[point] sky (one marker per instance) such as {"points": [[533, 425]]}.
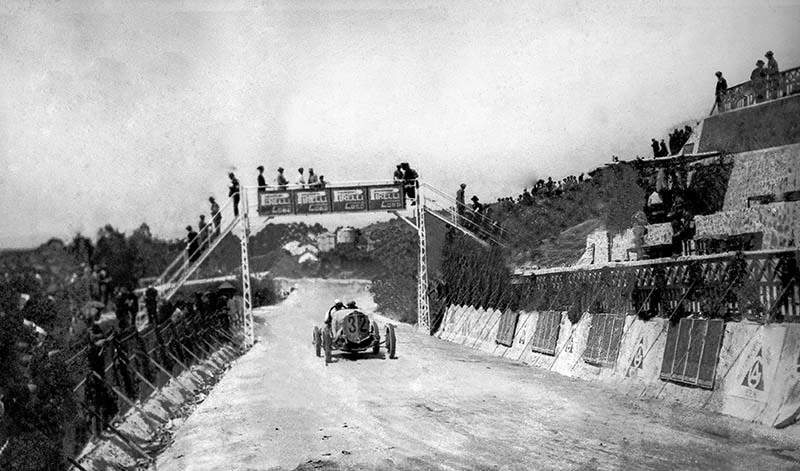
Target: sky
{"points": [[125, 112]]}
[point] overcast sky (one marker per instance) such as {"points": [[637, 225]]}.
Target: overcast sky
{"points": [[122, 111]]}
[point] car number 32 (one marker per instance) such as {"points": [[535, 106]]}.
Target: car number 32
{"points": [[357, 324]]}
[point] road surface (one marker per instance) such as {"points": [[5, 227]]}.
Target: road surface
{"points": [[438, 406]]}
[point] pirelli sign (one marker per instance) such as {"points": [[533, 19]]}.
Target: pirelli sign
{"points": [[344, 199]]}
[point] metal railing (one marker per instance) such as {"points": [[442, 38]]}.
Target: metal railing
{"points": [[744, 95], [205, 241]]}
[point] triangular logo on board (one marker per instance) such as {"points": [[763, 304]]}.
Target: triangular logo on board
{"points": [[754, 379]]}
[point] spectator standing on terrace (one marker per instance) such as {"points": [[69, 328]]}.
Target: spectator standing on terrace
{"points": [[191, 244], [281, 180], [301, 179], [773, 75], [312, 178], [654, 145], [216, 217], [720, 90], [758, 80], [262, 182], [322, 183], [233, 190], [460, 204]]}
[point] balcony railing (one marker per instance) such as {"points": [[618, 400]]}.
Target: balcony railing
{"points": [[743, 95]]}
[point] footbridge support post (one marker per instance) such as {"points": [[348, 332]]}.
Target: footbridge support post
{"points": [[423, 308], [247, 308]]}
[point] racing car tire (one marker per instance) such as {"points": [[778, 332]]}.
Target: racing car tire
{"points": [[327, 344], [317, 341], [391, 341], [376, 333]]}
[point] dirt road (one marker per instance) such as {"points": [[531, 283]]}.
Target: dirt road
{"points": [[437, 406]]}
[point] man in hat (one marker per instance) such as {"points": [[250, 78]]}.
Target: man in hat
{"points": [[654, 145], [758, 80], [191, 244], [460, 204], [338, 305], [233, 190], [262, 182], [773, 76], [410, 177], [720, 90], [313, 180], [216, 216], [301, 178], [477, 209], [398, 174], [281, 180]]}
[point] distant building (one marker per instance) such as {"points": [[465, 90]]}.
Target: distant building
{"points": [[326, 241], [346, 235]]}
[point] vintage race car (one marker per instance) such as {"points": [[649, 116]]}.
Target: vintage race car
{"points": [[350, 330]]}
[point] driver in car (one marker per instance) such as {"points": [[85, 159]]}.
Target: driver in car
{"points": [[337, 306]]}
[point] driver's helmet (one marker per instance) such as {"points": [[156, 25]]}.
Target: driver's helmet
{"points": [[352, 305], [338, 304]]}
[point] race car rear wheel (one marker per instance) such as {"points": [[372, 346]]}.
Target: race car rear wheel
{"points": [[391, 341], [317, 341], [376, 334], [327, 344]]}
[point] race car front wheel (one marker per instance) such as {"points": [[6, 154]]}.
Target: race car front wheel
{"points": [[327, 344]]}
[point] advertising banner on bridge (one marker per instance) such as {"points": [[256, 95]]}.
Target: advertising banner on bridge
{"points": [[274, 203], [349, 199], [312, 201], [385, 197]]}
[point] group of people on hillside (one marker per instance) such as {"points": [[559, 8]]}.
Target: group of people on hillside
{"points": [[543, 188], [677, 139], [765, 82]]}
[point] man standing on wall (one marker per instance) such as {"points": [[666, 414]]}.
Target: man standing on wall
{"points": [[720, 90], [758, 80], [773, 76], [216, 217]]}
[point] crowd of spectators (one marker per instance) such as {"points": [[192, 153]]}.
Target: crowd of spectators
{"points": [[765, 82], [677, 139]]}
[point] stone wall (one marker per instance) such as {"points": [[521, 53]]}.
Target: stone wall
{"points": [[769, 124], [779, 222], [757, 377], [598, 247], [768, 171]]}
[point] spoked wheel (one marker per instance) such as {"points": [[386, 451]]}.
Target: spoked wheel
{"points": [[327, 344], [376, 333], [391, 341], [317, 341]]}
